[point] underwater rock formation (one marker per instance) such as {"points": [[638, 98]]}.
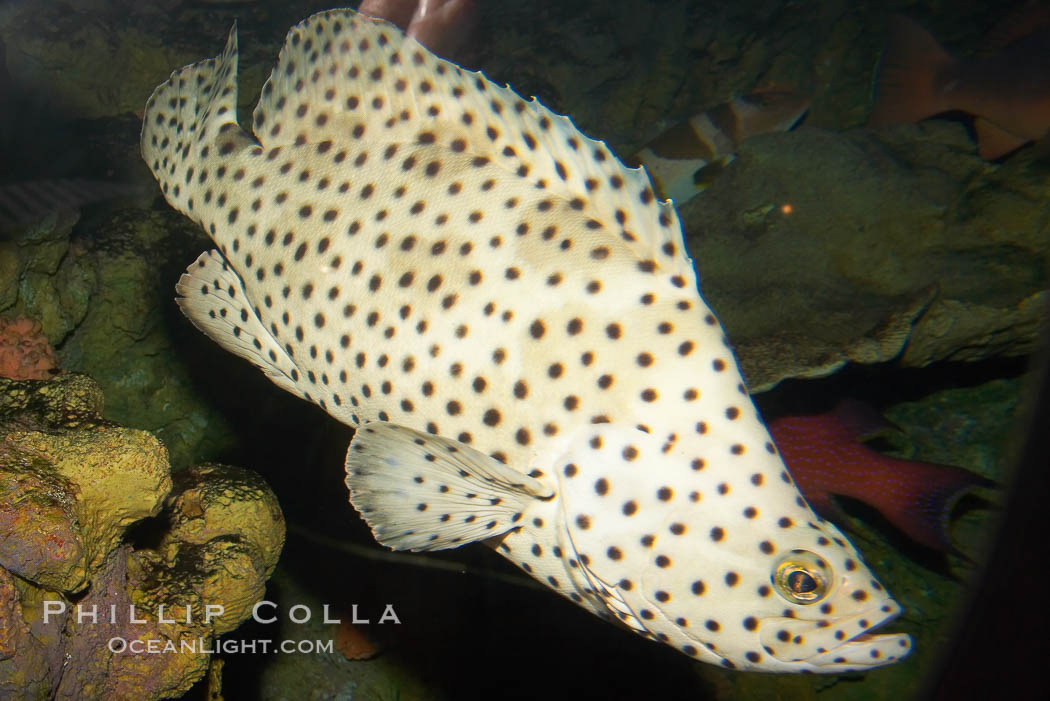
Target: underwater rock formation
{"points": [[77, 595], [101, 302], [224, 538], [819, 248]]}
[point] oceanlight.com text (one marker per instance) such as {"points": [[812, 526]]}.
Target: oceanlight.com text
{"points": [[263, 646]]}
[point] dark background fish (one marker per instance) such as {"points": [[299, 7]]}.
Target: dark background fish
{"points": [[1008, 91]]}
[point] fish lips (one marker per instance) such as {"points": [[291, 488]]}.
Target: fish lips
{"points": [[836, 645]]}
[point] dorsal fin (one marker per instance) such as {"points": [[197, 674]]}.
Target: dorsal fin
{"points": [[343, 76]]}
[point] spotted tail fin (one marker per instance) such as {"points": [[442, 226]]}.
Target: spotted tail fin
{"points": [[182, 118]]}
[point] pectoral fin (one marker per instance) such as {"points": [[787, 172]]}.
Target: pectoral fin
{"points": [[418, 491]]}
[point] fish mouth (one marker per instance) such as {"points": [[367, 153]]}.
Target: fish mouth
{"points": [[833, 646], [863, 651]]}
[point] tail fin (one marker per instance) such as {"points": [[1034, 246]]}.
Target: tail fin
{"points": [[195, 103], [920, 499], [905, 89], [994, 142], [916, 497]]}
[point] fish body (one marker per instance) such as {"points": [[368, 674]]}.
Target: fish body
{"points": [[508, 316], [826, 456], [683, 159], [1008, 91]]}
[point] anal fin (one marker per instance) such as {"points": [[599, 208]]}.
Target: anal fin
{"points": [[418, 491], [212, 296]]}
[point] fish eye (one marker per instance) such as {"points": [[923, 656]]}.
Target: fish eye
{"points": [[802, 577]]}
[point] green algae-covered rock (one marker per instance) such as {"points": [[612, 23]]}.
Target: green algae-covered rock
{"points": [[71, 486], [818, 248], [104, 305]]}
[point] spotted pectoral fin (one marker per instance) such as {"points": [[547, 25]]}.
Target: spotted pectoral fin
{"points": [[212, 296], [418, 491]]}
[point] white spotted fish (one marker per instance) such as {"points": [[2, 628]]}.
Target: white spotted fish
{"points": [[509, 316]]}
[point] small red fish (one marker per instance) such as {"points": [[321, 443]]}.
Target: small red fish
{"points": [[1008, 92], [825, 457]]}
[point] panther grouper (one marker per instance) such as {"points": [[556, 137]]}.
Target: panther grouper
{"points": [[508, 316]]}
